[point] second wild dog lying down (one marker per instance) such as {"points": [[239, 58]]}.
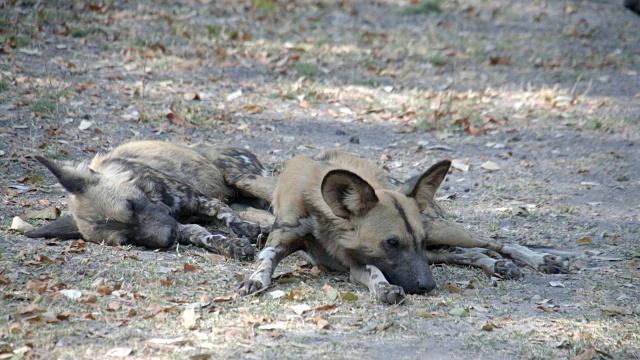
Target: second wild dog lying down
{"points": [[142, 192], [345, 214]]}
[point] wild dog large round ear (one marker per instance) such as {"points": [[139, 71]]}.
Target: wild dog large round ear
{"points": [[423, 187], [347, 194], [74, 180]]}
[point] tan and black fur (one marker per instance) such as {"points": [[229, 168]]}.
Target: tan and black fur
{"points": [[346, 214], [142, 192]]}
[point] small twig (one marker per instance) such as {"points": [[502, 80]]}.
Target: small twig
{"points": [[46, 70], [144, 81], [584, 94], [573, 89]]}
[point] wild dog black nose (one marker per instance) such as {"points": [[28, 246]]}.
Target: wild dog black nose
{"points": [[426, 285], [175, 233]]}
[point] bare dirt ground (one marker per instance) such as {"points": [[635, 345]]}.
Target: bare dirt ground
{"points": [[548, 92]]}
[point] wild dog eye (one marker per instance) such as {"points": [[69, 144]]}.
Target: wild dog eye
{"points": [[393, 242], [131, 205]]}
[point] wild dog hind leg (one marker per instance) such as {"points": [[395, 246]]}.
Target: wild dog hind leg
{"points": [[503, 267], [219, 210], [442, 232], [235, 248], [372, 277]]}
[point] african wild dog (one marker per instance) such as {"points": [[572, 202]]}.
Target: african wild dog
{"points": [[345, 214], [141, 192]]}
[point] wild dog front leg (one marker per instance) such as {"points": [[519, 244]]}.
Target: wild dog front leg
{"points": [[503, 267], [221, 211], [372, 277], [283, 241], [235, 248]]}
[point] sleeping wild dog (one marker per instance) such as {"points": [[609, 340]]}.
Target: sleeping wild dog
{"points": [[345, 214], [143, 193]]}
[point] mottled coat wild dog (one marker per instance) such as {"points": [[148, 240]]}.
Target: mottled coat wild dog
{"points": [[346, 214], [142, 192]]}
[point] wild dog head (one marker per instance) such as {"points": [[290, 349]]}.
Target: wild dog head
{"points": [[111, 208], [388, 228]]}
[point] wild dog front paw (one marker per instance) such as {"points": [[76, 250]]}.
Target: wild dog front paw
{"points": [[250, 287], [390, 294], [507, 269], [554, 265], [240, 249]]}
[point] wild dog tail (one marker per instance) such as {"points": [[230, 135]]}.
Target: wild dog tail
{"points": [[63, 228]]}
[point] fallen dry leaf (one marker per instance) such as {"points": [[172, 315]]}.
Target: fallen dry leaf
{"points": [[556, 284], [249, 319], [71, 294], [253, 109], [320, 322], [50, 213], [300, 309], [189, 318], [462, 312], [487, 327], [332, 294], [614, 310], [460, 165], [9, 191], [191, 96], [119, 352], [588, 354], [490, 165], [179, 341], [304, 104], [452, 288], [114, 305], [190, 268], [584, 240], [424, 313], [500, 60], [348, 296], [20, 225]]}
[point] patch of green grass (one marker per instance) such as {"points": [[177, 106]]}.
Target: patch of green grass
{"points": [[50, 16], [3, 85], [289, 95], [306, 69], [42, 106], [266, 6], [370, 82], [80, 32], [19, 41], [425, 7]]}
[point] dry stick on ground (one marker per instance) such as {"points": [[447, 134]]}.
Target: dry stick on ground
{"points": [[57, 103], [144, 80]]}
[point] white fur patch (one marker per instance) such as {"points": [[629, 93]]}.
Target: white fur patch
{"points": [[267, 253], [246, 159]]}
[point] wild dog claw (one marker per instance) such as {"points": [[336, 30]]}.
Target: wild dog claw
{"points": [[250, 287], [507, 269], [555, 265], [390, 294], [240, 249]]}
